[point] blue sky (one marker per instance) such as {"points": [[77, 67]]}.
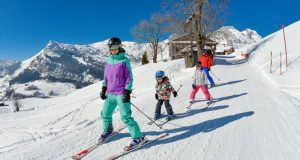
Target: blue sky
{"points": [[27, 25]]}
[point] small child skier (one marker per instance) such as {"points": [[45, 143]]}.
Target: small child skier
{"points": [[199, 82], [163, 89]]}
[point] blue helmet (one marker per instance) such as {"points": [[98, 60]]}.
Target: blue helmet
{"points": [[160, 74]]}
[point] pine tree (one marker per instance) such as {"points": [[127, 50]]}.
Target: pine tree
{"points": [[145, 58]]}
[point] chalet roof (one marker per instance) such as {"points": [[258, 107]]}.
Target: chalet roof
{"points": [[186, 38], [188, 49]]}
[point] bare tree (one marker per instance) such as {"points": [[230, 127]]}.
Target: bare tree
{"points": [[196, 17], [152, 31], [17, 105]]}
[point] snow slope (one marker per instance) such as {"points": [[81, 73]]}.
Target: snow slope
{"points": [[260, 58], [251, 119]]}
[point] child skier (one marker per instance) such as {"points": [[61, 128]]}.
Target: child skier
{"points": [[199, 82], [163, 89], [116, 90]]}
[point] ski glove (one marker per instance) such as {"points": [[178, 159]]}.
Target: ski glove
{"points": [[156, 96], [193, 86], [126, 96], [175, 94], [103, 93]]}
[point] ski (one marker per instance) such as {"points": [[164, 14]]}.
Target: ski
{"points": [[146, 142], [193, 102], [166, 121], [189, 106], [151, 122], [86, 151], [208, 104]]}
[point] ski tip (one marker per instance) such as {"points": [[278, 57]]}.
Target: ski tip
{"points": [[80, 155]]}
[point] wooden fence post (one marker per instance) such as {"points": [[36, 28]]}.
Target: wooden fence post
{"points": [[280, 71], [271, 64]]}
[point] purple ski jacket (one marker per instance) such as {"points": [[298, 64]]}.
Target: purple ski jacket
{"points": [[118, 74]]}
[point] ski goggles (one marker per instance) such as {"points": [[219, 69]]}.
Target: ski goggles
{"points": [[159, 79], [114, 47]]}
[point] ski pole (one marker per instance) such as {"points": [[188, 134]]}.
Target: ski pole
{"points": [[146, 115], [215, 76], [179, 88]]}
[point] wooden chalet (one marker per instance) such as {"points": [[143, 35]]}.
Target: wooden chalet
{"points": [[183, 47]]}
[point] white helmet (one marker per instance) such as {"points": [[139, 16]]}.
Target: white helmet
{"points": [[206, 48]]}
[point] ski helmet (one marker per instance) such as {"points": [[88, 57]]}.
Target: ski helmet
{"points": [[160, 74], [114, 43], [207, 48]]}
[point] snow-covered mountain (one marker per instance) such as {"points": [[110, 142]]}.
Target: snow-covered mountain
{"points": [[229, 36], [77, 64], [8, 67], [62, 63], [73, 65]]}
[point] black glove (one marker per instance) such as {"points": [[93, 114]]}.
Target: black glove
{"points": [[193, 86], [156, 96], [103, 93], [126, 96], [208, 69], [175, 94]]}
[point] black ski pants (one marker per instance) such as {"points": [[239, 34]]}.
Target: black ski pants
{"points": [[167, 105]]}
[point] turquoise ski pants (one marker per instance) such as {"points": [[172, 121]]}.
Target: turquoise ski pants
{"points": [[110, 104]]}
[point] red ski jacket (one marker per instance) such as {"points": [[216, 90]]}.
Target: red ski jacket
{"points": [[206, 60]]}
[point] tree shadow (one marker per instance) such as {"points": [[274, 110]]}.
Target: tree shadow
{"points": [[186, 114], [192, 112], [204, 127], [189, 113], [192, 130], [293, 61], [229, 97], [31, 109], [219, 61], [231, 82]]}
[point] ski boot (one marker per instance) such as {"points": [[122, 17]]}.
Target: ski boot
{"points": [[156, 116], [106, 133], [135, 143], [170, 117], [191, 101]]}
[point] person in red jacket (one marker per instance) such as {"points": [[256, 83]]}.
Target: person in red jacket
{"points": [[206, 60]]}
